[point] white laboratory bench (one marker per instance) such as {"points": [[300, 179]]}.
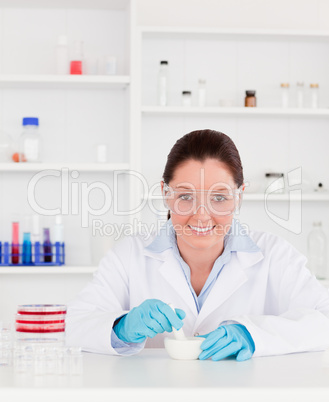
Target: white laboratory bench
{"points": [[153, 376]]}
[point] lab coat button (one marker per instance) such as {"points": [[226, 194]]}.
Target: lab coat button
{"points": [[196, 334]]}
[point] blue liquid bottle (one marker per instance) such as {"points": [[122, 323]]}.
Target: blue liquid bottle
{"points": [[27, 249]]}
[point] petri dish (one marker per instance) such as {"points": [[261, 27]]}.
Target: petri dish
{"points": [[40, 319], [41, 309]]}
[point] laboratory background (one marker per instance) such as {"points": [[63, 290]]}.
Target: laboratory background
{"points": [[93, 95]]}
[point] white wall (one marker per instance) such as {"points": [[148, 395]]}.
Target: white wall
{"points": [[231, 65], [270, 14]]}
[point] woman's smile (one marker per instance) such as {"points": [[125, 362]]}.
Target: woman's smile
{"points": [[201, 231]]}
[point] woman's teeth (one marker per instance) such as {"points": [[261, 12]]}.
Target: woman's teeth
{"points": [[201, 230]]}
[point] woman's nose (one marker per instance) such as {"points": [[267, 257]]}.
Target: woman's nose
{"points": [[202, 210]]}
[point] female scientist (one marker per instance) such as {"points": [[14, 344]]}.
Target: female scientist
{"points": [[249, 294]]}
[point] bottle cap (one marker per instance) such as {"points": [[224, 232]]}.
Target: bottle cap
{"points": [[250, 93], [314, 85], [202, 81], [30, 121], [62, 40], [164, 62], [187, 93], [300, 84], [274, 175], [285, 85]]}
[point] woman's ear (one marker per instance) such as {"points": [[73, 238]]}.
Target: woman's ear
{"points": [[244, 185], [162, 184]]}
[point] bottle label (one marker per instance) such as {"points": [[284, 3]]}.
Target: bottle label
{"points": [[31, 149]]}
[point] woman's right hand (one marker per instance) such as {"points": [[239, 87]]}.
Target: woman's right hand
{"points": [[150, 318]]}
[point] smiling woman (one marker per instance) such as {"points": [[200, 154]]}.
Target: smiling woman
{"points": [[248, 293], [202, 186]]}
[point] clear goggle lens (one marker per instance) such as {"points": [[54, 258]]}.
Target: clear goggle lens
{"points": [[187, 202]]}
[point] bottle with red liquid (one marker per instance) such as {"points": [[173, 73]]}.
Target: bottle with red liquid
{"points": [[15, 243], [76, 62], [47, 245]]}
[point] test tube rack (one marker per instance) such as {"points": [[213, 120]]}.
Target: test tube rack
{"points": [[38, 257]]}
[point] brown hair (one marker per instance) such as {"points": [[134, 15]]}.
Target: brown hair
{"points": [[200, 145]]}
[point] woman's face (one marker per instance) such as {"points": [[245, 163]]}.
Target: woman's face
{"points": [[208, 175]]}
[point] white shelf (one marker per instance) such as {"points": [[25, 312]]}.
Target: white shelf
{"points": [[233, 111], [167, 31], [100, 4], [285, 197], [271, 197], [80, 167], [58, 270], [64, 81]]}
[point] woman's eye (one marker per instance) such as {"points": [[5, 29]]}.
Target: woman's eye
{"points": [[218, 197], [186, 197]]}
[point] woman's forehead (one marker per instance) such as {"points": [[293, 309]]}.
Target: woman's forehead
{"points": [[202, 174]]}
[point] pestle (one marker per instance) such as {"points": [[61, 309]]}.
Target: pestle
{"points": [[179, 334]]}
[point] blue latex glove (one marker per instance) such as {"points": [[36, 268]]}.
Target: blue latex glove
{"points": [[147, 320], [228, 340]]}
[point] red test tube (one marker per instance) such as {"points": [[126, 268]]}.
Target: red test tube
{"points": [[15, 244]]}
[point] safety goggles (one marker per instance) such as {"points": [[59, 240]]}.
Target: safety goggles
{"points": [[222, 202]]}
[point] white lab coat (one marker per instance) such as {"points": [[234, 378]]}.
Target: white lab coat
{"points": [[271, 292]]}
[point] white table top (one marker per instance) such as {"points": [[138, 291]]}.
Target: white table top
{"points": [[153, 376]]}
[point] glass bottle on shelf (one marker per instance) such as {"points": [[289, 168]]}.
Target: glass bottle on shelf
{"points": [[300, 94], [76, 67], [202, 93], [250, 99], [62, 57], [30, 140], [314, 96], [317, 251], [163, 83], [285, 94], [276, 181], [187, 98]]}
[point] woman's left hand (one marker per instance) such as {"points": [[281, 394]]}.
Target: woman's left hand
{"points": [[228, 340]]}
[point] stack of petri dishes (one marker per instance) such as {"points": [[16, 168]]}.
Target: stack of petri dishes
{"points": [[40, 322]]}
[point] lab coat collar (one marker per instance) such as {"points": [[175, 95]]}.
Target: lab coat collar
{"points": [[162, 241]]}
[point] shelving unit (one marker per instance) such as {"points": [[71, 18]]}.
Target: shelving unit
{"points": [[267, 57], [318, 197], [62, 270], [233, 111], [175, 31], [80, 167], [64, 81], [261, 197], [76, 113]]}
